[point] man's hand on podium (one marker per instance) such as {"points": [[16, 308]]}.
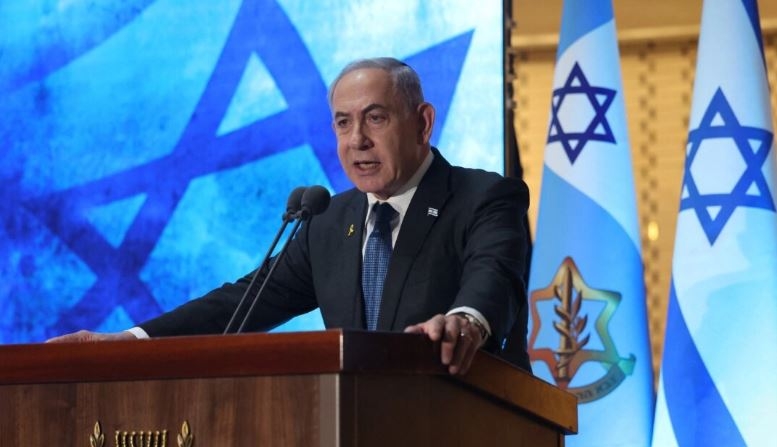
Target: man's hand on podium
{"points": [[460, 340], [87, 336]]}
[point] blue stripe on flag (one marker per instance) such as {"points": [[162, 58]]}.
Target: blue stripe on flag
{"points": [[698, 414], [751, 6], [587, 15], [579, 226]]}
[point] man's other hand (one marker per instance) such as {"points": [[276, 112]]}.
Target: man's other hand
{"points": [[88, 336], [460, 340]]}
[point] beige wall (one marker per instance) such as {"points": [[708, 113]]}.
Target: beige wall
{"points": [[658, 58]]}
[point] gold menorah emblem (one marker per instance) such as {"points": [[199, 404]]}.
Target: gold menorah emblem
{"points": [[141, 438]]}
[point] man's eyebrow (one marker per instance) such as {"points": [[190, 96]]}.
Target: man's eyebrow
{"points": [[372, 107], [367, 109]]}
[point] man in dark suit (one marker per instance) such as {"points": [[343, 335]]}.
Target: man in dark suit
{"points": [[453, 238]]}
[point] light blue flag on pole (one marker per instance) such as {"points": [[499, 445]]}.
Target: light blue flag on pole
{"points": [[587, 295], [717, 384]]}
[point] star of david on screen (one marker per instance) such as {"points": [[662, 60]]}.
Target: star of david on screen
{"points": [[148, 146]]}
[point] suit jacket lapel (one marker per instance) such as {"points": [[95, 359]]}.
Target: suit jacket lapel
{"points": [[354, 217], [428, 200]]}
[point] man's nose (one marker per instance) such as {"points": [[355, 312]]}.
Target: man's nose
{"points": [[358, 139]]}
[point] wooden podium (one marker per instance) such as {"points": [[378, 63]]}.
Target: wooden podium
{"points": [[329, 388]]}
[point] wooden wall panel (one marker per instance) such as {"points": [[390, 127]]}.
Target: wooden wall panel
{"points": [[532, 89], [657, 86]]}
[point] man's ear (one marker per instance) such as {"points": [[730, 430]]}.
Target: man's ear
{"points": [[426, 122]]}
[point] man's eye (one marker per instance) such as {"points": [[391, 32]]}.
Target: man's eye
{"points": [[376, 118], [341, 123]]}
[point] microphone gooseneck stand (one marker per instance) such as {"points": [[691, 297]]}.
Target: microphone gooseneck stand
{"points": [[314, 200], [293, 205]]}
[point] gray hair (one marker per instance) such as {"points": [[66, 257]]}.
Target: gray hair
{"points": [[404, 79]]}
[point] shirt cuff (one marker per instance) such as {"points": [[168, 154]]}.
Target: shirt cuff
{"points": [[474, 312], [139, 333]]}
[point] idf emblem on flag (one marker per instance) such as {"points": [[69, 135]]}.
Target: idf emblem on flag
{"points": [[588, 326], [717, 384], [567, 293]]}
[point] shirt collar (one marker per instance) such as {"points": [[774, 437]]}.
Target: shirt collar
{"points": [[401, 200]]}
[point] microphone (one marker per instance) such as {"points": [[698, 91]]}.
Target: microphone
{"points": [[314, 201], [293, 207], [294, 203]]}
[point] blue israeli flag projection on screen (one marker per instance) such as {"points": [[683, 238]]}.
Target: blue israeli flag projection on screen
{"points": [[148, 146]]}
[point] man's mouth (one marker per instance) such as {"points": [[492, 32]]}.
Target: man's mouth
{"points": [[366, 165]]}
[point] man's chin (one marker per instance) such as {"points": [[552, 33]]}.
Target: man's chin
{"points": [[370, 187]]}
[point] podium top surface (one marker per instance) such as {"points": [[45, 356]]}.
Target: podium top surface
{"points": [[322, 352]]}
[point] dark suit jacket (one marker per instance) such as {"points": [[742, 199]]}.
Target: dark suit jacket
{"points": [[462, 243]]}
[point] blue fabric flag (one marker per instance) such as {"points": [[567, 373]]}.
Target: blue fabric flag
{"points": [[587, 296], [717, 384]]}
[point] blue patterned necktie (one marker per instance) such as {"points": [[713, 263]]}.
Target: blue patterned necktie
{"points": [[376, 261]]}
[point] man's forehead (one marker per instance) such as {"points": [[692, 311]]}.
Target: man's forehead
{"points": [[363, 92], [363, 82]]}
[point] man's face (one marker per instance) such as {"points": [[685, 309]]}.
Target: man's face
{"points": [[380, 144]]}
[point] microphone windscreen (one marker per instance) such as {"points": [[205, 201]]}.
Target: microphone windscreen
{"points": [[294, 202], [315, 200]]}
